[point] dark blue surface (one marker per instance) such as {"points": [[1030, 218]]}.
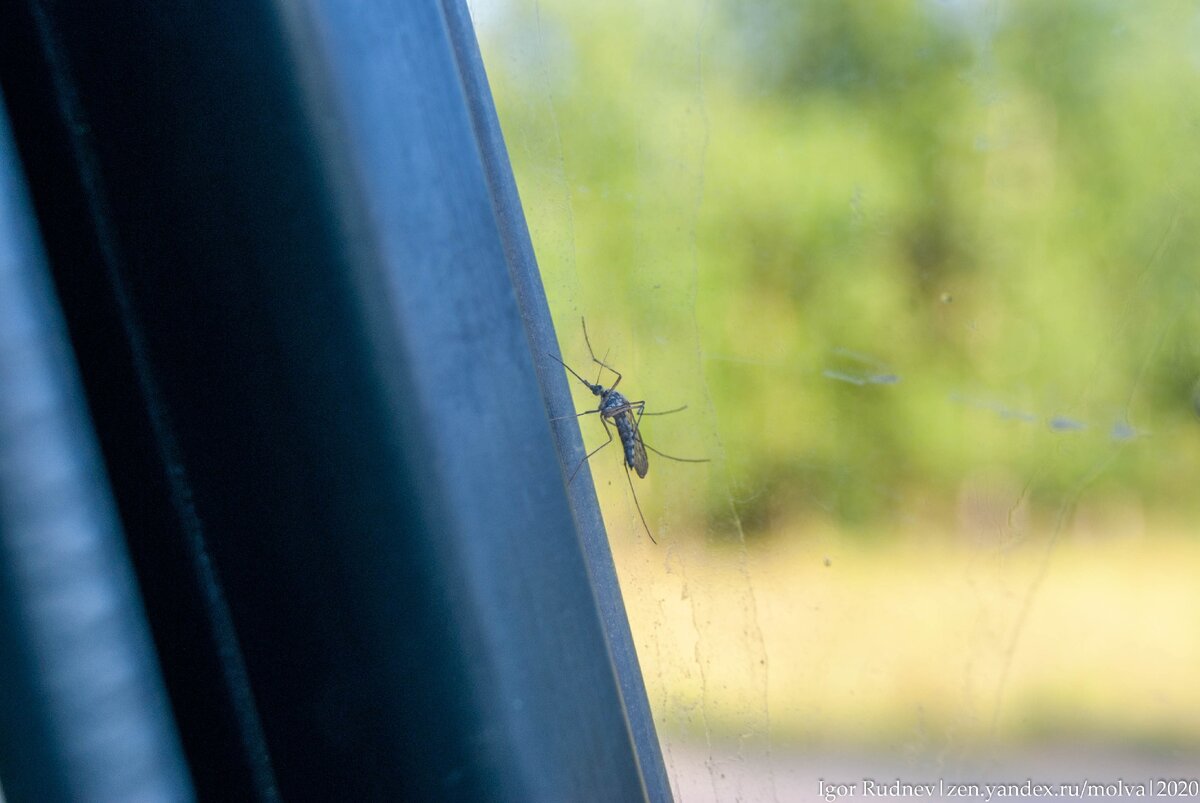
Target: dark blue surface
{"points": [[296, 272], [83, 714]]}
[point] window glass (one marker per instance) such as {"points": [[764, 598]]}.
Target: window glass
{"points": [[924, 274]]}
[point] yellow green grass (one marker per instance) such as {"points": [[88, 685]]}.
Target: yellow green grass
{"points": [[921, 641]]}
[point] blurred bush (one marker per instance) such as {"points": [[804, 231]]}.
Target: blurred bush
{"points": [[914, 238]]}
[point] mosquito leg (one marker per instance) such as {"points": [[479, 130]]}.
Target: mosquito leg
{"points": [[593, 353], [577, 415], [588, 456], [666, 412], [640, 406], [583, 321], [609, 367], [676, 459], [639, 507]]}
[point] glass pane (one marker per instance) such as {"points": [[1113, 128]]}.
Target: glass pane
{"points": [[924, 275]]}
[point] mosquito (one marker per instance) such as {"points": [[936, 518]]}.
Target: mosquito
{"points": [[617, 410]]}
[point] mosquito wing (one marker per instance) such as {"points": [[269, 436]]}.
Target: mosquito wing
{"points": [[631, 440]]}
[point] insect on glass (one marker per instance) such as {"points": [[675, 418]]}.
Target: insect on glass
{"points": [[617, 410]]}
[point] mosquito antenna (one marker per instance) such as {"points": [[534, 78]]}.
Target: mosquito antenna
{"points": [[569, 368], [602, 367], [639, 507], [676, 459]]}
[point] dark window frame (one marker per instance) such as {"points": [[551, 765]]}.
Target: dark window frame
{"points": [[296, 278]]}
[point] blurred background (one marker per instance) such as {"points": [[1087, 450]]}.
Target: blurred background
{"points": [[924, 274]]}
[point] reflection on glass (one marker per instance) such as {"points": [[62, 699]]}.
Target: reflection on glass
{"points": [[924, 273]]}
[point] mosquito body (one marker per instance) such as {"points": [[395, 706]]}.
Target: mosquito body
{"points": [[617, 410]]}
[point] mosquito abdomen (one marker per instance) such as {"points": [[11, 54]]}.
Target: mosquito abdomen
{"points": [[631, 441]]}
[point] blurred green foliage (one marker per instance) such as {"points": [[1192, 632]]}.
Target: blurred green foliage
{"points": [[911, 239]]}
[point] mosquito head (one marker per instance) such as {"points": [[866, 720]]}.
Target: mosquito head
{"points": [[599, 390]]}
